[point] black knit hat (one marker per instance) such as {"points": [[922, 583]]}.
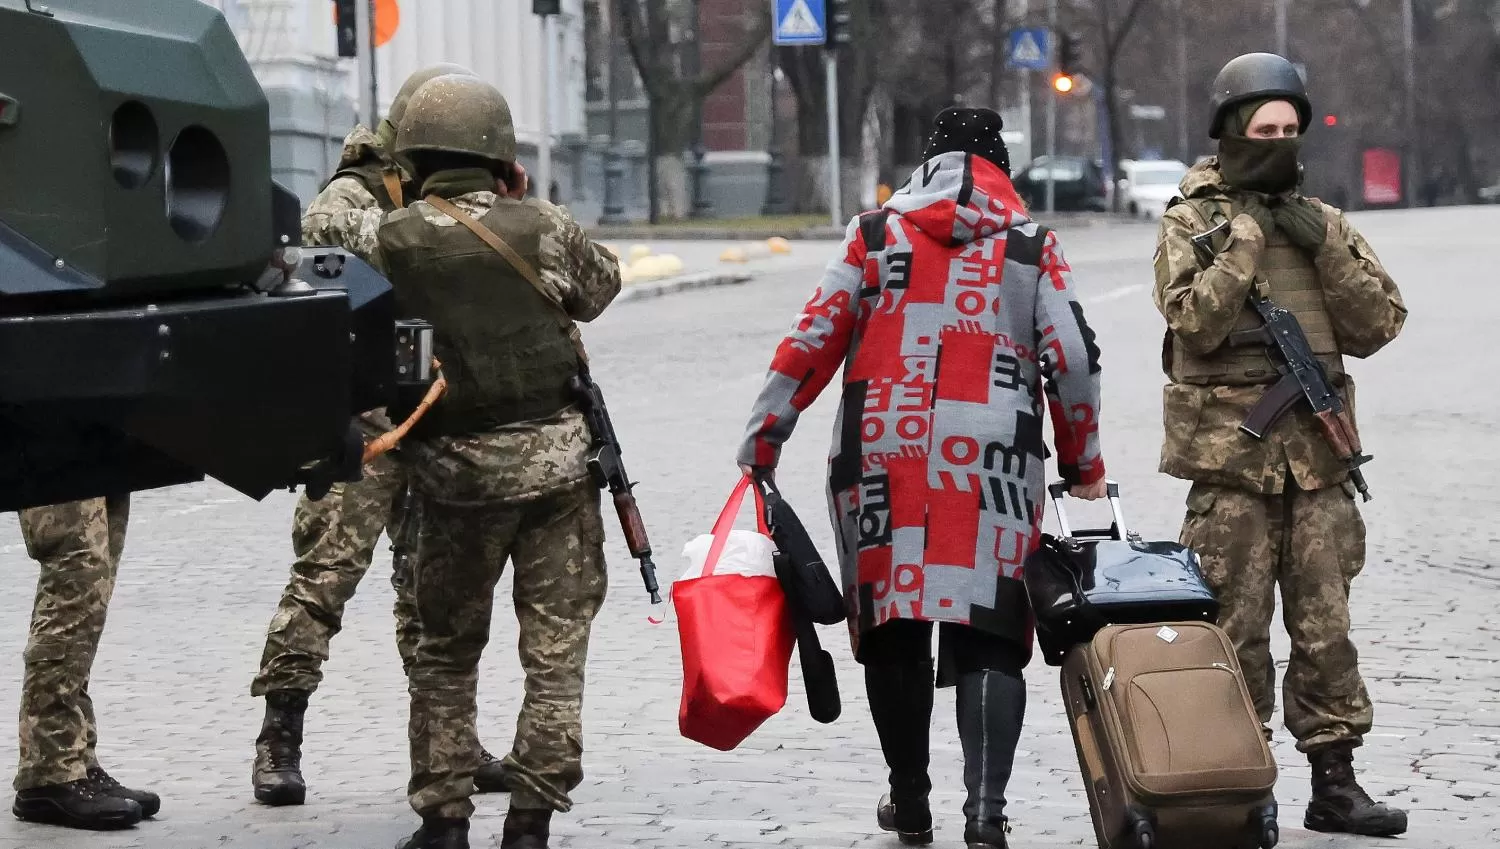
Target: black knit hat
{"points": [[975, 131]]}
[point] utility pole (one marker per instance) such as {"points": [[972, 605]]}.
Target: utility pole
{"points": [[835, 187], [1280, 28], [1052, 42], [364, 24], [1182, 85], [614, 170], [1408, 25], [1026, 86], [544, 169]]}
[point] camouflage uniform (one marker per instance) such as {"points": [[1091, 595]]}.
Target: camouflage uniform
{"points": [[78, 546], [334, 537], [521, 492], [1278, 510]]}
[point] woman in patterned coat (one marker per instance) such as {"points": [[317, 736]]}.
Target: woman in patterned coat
{"points": [[947, 310]]}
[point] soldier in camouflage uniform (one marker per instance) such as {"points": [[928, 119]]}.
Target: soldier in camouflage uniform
{"points": [[1277, 511], [59, 779], [498, 465], [334, 538]]}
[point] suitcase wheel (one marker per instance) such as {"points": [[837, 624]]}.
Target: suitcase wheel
{"points": [[1265, 827], [1143, 832]]}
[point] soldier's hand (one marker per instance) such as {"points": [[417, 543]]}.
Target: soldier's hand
{"points": [[1252, 222], [1090, 491], [1303, 223], [519, 183]]}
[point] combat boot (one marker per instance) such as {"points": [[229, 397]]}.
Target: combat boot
{"points": [[103, 783], [439, 833], [490, 777], [526, 829], [278, 750], [1339, 804], [75, 804]]}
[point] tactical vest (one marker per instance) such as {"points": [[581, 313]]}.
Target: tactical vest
{"points": [[372, 175], [504, 347], [1287, 276]]}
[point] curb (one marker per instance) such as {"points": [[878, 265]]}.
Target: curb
{"points": [[824, 233], [709, 234], [658, 288]]}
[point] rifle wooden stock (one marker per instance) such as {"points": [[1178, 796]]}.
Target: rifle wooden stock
{"points": [[1339, 430]]}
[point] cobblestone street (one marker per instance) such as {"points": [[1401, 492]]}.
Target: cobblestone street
{"points": [[203, 568]]}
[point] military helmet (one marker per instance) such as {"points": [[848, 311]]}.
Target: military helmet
{"points": [[458, 114], [416, 81], [1257, 76]]}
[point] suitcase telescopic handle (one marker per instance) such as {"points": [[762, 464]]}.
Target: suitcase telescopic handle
{"points": [[1111, 489]]}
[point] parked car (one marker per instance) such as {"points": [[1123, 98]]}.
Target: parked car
{"points": [[1146, 186], [1078, 182]]}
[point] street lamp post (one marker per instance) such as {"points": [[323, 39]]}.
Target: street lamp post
{"points": [[614, 169], [774, 204], [1408, 25], [701, 206]]}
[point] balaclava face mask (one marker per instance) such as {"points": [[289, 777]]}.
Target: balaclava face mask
{"points": [[1257, 165]]}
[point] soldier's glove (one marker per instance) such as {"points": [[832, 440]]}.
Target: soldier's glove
{"points": [[1265, 222], [1303, 223]]}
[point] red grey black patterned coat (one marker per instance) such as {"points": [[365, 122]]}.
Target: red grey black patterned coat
{"points": [[945, 335]]}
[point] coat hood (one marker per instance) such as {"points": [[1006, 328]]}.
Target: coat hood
{"points": [[958, 198]]}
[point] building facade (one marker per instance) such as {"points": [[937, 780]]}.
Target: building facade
{"points": [[315, 95]]}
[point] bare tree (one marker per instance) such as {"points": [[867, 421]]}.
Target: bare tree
{"points": [[676, 92], [1114, 30]]}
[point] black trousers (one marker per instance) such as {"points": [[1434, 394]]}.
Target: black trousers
{"points": [[961, 649]]}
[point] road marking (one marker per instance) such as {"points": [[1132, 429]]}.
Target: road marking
{"points": [[1116, 294]]}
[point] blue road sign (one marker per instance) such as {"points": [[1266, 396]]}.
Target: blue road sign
{"points": [[1030, 48], [796, 22]]}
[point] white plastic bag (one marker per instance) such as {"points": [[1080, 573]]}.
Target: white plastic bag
{"points": [[747, 553]]}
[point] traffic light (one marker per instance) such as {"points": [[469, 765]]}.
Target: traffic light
{"points": [[344, 21], [1330, 120], [838, 24], [1062, 83], [1068, 60], [546, 7]]}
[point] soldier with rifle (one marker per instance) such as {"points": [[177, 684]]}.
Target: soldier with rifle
{"points": [[507, 465], [1264, 292], [334, 537]]}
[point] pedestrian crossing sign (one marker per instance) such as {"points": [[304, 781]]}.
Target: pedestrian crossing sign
{"points": [[797, 22], [1029, 48]]}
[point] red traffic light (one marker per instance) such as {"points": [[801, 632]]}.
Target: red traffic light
{"points": [[1330, 120], [1063, 83]]}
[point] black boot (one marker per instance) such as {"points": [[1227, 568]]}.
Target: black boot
{"points": [[102, 782], [526, 829], [278, 750], [439, 833], [1339, 804], [991, 707], [75, 804], [901, 705], [490, 777]]}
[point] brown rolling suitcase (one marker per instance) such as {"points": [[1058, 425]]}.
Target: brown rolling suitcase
{"points": [[1168, 740]]}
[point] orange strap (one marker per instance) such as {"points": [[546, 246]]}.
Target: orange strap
{"points": [[393, 188]]}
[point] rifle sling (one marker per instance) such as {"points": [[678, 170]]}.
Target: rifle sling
{"points": [[393, 188], [523, 267]]}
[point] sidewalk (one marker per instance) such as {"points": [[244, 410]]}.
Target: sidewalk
{"points": [[680, 265]]}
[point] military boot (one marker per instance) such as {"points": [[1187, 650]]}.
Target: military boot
{"points": [[278, 750], [490, 777], [75, 804], [1339, 804], [102, 782], [901, 705], [439, 833], [526, 829]]}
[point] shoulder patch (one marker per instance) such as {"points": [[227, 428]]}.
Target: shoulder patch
{"points": [[872, 227]]}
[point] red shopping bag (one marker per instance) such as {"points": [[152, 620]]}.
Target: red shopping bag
{"points": [[737, 641]]}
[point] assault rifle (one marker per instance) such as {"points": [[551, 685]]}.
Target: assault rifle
{"points": [[609, 471], [1302, 377]]}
